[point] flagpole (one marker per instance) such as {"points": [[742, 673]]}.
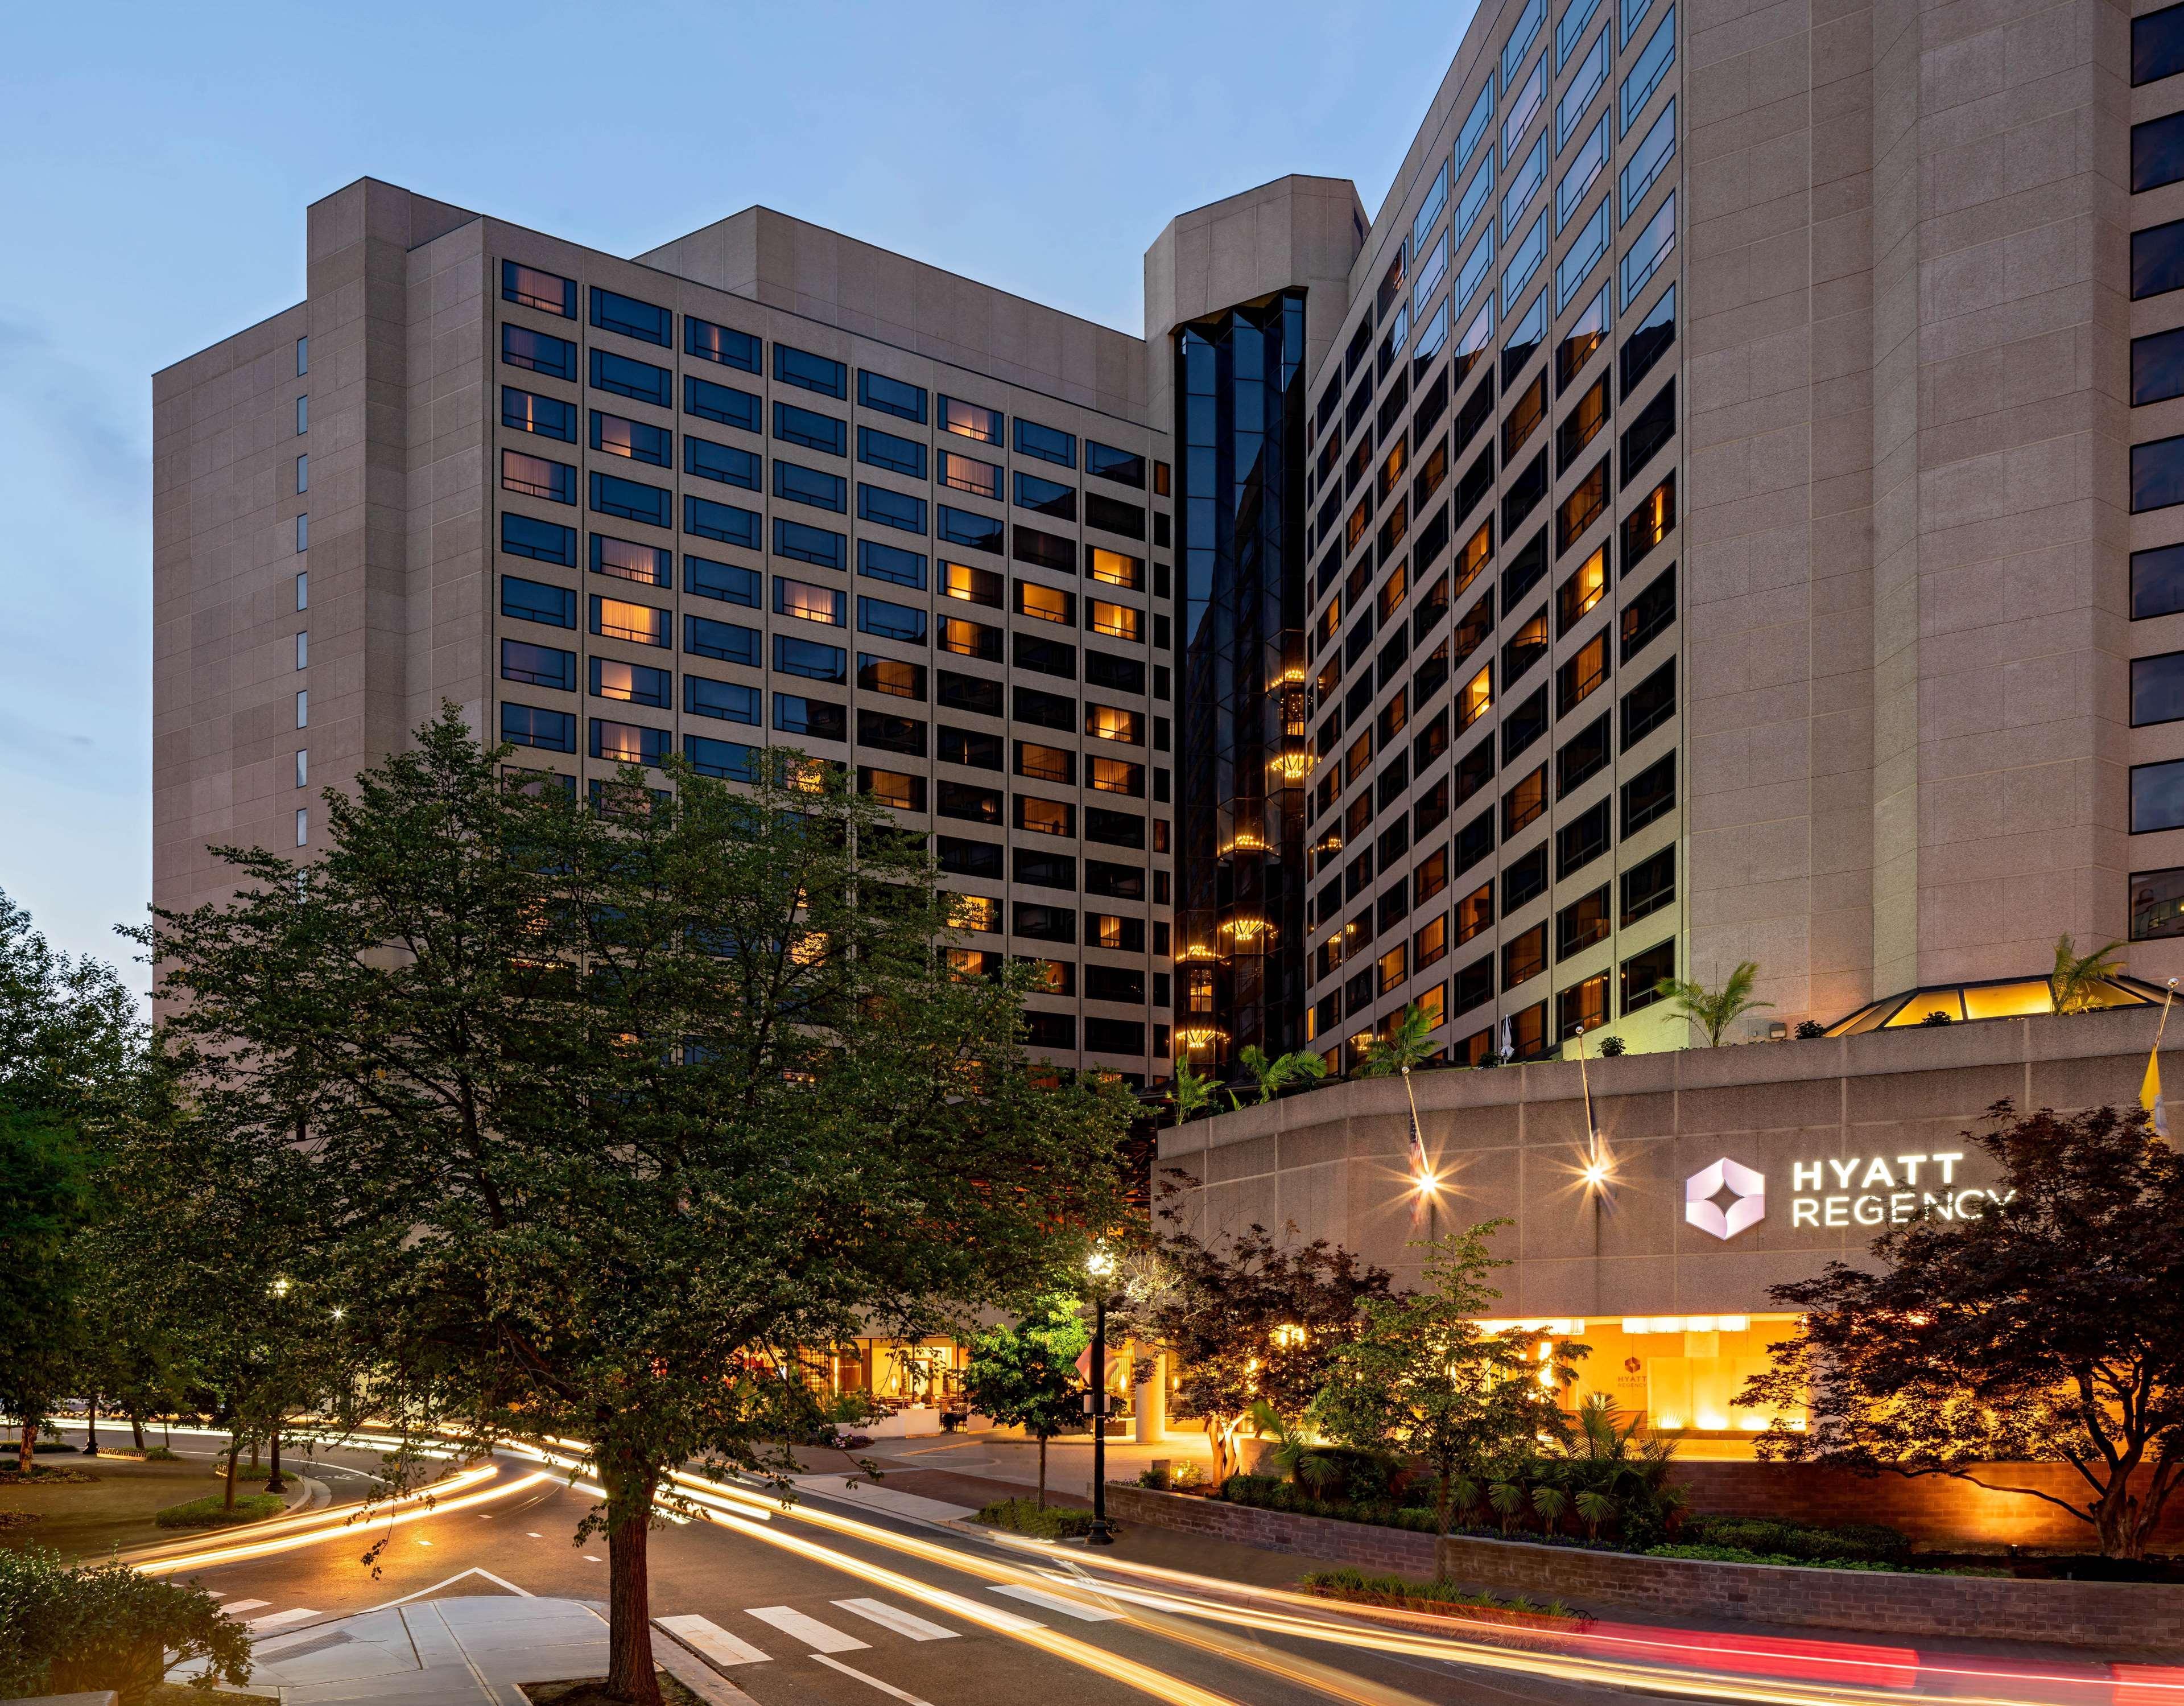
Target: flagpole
{"points": [[2149, 1091]]}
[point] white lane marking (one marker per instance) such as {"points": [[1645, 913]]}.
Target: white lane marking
{"points": [[244, 1605], [896, 1618], [986, 1616], [809, 1631], [704, 1635], [888, 1688], [1054, 1602], [590, 1558], [258, 1625]]}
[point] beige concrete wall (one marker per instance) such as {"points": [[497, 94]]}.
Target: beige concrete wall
{"points": [[1333, 1163]]}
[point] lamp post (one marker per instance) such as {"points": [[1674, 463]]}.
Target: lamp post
{"points": [[1100, 1265], [274, 1484]]}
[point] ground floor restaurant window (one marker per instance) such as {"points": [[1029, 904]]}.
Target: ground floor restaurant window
{"points": [[1679, 1373]]}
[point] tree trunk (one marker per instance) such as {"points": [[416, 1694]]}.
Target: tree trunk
{"points": [[91, 1440], [1042, 1471], [254, 1454], [234, 1450], [274, 1484], [1440, 1504], [23, 1464], [630, 1674], [136, 1428]]}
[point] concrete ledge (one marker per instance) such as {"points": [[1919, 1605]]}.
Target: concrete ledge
{"points": [[1401, 1551]]}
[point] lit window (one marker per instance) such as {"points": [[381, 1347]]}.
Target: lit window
{"points": [[619, 619], [1115, 776], [1475, 698], [812, 603], [1118, 570], [971, 421], [975, 585], [1046, 602], [530, 288], [968, 474], [1107, 722], [1119, 621], [535, 476], [974, 912]]}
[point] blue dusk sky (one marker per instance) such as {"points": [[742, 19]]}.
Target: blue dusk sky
{"points": [[158, 161]]}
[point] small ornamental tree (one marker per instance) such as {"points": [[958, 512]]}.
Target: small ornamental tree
{"points": [[2049, 1328], [600, 1113], [1424, 1380], [1025, 1376], [1253, 1318]]}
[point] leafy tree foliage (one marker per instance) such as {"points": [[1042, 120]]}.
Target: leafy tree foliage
{"points": [[1025, 1375], [1424, 1380], [45, 1196], [70, 1032], [2048, 1327], [65, 1630], [1249, 1318], [1272, 1074], [604, 1113]]}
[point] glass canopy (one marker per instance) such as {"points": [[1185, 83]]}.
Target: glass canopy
{"points": [[2007, 998]]}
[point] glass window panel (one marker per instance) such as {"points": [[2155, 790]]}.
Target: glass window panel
{"points": [[2157, 151], [2157, 688], [2157, 906], [2157, 260], [1524, 260], [1525, 31], [1474, 126], [2157, 582], [2156, 45], [1652, 64], [2156, 796], [1590, 78], [1583, 255], [2157, 366], [1429, 210], [1571, 29], [1524, 107], [2157, 473], [1585, 167], [1648, 158], [1648, 249]]}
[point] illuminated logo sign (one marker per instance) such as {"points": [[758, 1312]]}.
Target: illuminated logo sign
{"points": [[1747, 1190]]}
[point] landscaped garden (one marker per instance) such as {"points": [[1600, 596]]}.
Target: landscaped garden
{"points": [[85, 1507]]}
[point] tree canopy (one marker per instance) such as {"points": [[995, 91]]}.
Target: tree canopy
{"points": [[2048, 1327], [1025, 1375], [610, 1106]]}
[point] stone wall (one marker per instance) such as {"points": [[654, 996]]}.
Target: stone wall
{"points": [[1399, 1551]]}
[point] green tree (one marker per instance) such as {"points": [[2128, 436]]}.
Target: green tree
{"points": [[45, 1199], [2075, 982], [1193, 1090], [600, 1114], [2048, 1326], [1274, 1073], [71, 1032], [1025, 1375], [1252, 1318], [1424, 1380], [1714, 1011]]}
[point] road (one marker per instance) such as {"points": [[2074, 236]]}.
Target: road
{"points": [[834, 1602]]}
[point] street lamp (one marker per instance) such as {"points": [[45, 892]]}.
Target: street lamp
{"points": [[1100, 1264], [274, 1482]]}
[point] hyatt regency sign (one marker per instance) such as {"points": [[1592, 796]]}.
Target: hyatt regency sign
{"points": [[1727, 1197]]}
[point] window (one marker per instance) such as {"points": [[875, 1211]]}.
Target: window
{"points": [[525, 411], [534, 601], [633, 500], [2157, 688], [1114, 829], [538, 352], [1525, 956], [1522, 35], [1578, 261], [802, 485], [521, 535], [1590, 78], [634, 684], [1115, 776], [551, 731], [877, 504], [2157, 902], [1648, 249], [890, 396], [1649, 795], [969, 747], [302, 356], [813, 604], [1526, 410], [958, 857], [970, 421], [1039, 870], [891, 675], [967, 528], [805, 545], [1116, 935], [639, 380], [891, 733], [1525, 804], [1652, 64], [1581, 840], [810, 428], [628, 742], [1125, 467], [1045, 602], [891, 563], [303, 766], [721, 344], [1105, 721], [1524, 105], [1114, 569], [1045, 497], [891, 788], [619, 619], [887, 450], [2157, 582], [1649, 159], [969, 639], [1586, 503], [612, 311], [1045, 816], [2156, 366], [2156, 796], [302, 707], [2157, 47], [303, 474], [1585, 168], [614, 435], [730, 760], [1649, 705], [1045, 763], [1045, 442], [810, 660], [974, 585], [1648, 886], [1650, 522], [1650, 614], [889, 621], [1475, 124], [817, 719], [1113, 516], [1578, 595], [1525, 179], [2157, 260], [729, 642], [537, 666], [302, 649], [2157, 473], [303, 589], [535, 476], [1586, 334], [1585, 753], [1118, 622], [302, 415], [1584, 921], [721, 402], [725, 700], [1655, 426], [1473, 271], [1122, 674], [722, 521], [799, 367], [1643, 974], [1474, 913], [1648, 341]]}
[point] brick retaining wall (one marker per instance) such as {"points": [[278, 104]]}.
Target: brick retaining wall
{"points": [[2110, 1618]]}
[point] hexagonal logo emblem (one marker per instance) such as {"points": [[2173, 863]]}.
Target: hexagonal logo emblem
{"points": [[1746, 1189]]}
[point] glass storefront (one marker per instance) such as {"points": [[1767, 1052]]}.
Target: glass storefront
{"points": [[1680, 1373]]}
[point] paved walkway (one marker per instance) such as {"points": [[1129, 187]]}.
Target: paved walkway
{"points": [[470, 1648]]}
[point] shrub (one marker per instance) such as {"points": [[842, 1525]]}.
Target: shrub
{"points": [[1738, 1554], [65, 1630], [1440, 1594], [1809, 1029], [1864, 1543], [160, 1454], [1265, 1492], [1023, 1516], [1613, 1047], [210, 1512]]}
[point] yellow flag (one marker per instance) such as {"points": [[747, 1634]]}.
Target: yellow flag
{"points": [[2149, 1093]]}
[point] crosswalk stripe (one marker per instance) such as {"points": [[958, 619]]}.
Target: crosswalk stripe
{"points": [[809, 1631], [244, 1605], [896, 1618], [985, 1616], [704, 1635], [258, 1625], [1054, 1602], [888, 1688]]}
